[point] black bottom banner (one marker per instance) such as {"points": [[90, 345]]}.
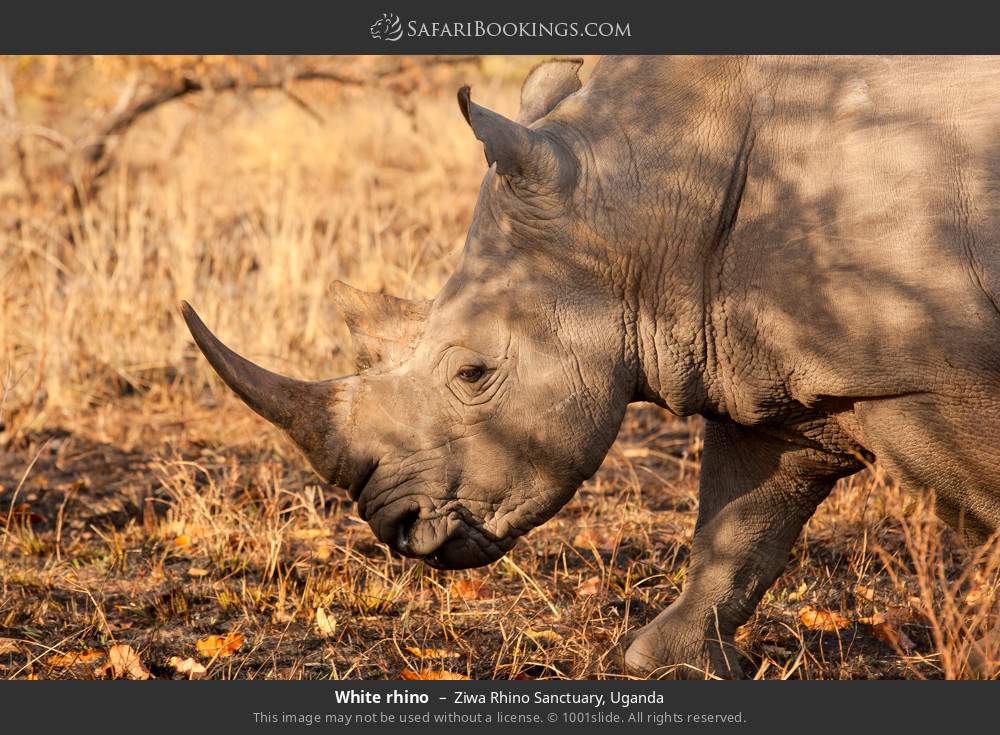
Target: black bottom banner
{"points": [[458, 706]]}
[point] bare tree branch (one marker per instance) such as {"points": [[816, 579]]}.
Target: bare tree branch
{"points": [[303, 105], [100, 159]]}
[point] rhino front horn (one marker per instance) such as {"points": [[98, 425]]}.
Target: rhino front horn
{"points": [[304, 409]]}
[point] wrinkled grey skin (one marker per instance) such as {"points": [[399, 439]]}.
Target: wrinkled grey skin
{"points": [[803, 251]]}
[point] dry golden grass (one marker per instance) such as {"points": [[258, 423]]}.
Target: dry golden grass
{"points": [[141, 504]]}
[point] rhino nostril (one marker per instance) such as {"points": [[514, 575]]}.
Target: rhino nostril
{"points": [[404, 528]]}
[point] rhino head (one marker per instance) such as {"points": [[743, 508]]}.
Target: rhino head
{"points": [[473, 417]]}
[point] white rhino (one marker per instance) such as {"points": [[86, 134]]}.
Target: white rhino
{"points": [[803, 251]]}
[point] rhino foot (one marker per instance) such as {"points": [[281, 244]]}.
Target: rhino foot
{"points": [[661, 651]]}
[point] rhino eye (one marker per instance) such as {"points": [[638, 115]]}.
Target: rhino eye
{"points": [[471, 373]]}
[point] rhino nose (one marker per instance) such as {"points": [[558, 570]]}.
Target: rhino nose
{"points": [[404, 529], [417, 537]]}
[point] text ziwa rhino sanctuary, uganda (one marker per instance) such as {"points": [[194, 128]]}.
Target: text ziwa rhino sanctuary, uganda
{"points": [[803, 251]]}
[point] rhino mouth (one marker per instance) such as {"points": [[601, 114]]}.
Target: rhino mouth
{"points": [[467, 548], [459, 553], [444, 536]]}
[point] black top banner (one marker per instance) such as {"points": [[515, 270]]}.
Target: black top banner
{"points": [[511, 26]]}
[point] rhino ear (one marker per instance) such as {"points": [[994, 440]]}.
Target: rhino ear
{"points": [[384, 328], [517, 150], [548, 84]]}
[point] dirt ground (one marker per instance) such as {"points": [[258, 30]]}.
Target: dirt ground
{"points": [[143, 531], [141, 505]]}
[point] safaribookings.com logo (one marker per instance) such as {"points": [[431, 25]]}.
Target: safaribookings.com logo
{"points": [[387, 28], [390, 28]]}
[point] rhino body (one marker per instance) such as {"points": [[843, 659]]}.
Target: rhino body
{"points": [[803, 251]]}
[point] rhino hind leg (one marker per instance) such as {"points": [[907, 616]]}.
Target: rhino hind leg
{"points": [[757, 491], [949, 447]]}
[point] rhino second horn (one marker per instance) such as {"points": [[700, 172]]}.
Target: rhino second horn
{"points": [[383, 328], [302, 408], [518, 150]]}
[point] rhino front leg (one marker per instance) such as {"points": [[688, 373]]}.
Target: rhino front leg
{"points": [[756, 493]]}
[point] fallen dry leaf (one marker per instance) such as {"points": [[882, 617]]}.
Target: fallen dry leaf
{"points": [[431, 652], [886, 629], [325, 624], [827, 620], [593, 538], [123, 663], [876, 619], [188, 667], [895, 637], [470, 589], [215, 646], [543, 637], [981, 592], [428, 675], [589, 587], [22, 513], [973, 596], [74, 658], [8, 645], [322, 551], [864, 593]]}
